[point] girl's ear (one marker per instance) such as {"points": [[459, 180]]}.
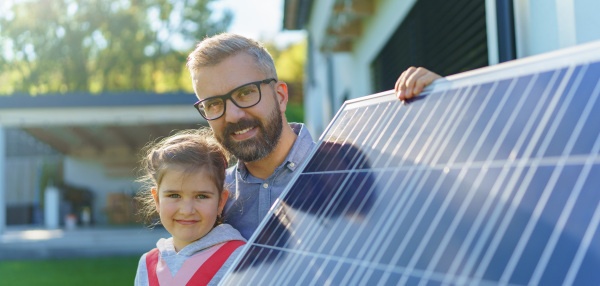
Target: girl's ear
{"points": [[223, 201], [155, 197]]}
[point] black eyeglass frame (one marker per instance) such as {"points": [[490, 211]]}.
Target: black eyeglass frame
{"points": [[227, 96]]}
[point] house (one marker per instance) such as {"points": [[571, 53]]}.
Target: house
{"points": [[360, 47], [355, 48], [84, 145]]}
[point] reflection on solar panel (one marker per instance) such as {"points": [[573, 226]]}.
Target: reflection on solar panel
{"points": [[492, 177]]}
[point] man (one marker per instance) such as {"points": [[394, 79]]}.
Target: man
{"points": [[236, 83]]}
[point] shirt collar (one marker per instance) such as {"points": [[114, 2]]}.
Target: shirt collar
{"points": [[303, 145]]}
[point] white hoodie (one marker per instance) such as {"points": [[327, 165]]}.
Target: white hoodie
{"points": [[174, 260]]}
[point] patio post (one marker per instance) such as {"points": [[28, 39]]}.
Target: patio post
{"points": [[2, 179]]}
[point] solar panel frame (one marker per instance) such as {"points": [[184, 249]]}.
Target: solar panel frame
{"points": [[489, 161]]}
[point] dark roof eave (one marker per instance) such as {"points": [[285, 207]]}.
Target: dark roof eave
{"points": [[112, 99], [296, 14]]}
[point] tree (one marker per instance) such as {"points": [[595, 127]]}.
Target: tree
{"points": [[101, 45], [289, 63]]}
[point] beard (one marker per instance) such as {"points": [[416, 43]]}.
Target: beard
{"points": [[257, 147]]}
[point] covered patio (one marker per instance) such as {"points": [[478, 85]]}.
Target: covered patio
{"points": [[96, 139]]}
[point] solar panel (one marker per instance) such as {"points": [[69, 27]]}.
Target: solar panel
{"points": [[490, 177]]}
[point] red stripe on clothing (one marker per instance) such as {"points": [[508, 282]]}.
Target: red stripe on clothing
{"points": [[208, 270], [151, 261]]}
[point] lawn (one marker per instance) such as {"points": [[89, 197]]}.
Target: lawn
{"points": [[65, 272]]}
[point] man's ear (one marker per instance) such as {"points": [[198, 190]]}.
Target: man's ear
{"points": [[155, 197], [223, 200], [281, 90]]}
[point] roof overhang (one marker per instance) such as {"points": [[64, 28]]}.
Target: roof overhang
{"points": [[109, 128], [345, 23], [296, 14]]}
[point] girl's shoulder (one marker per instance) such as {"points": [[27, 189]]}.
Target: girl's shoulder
{"points": [[217, 236], [222, 233]]}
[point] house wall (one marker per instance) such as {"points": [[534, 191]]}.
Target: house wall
{"points": [[23, 161], [90, 175], [540, 26], [19, 176], [317, 106], [351, 71], [71, 123], [22, 190]]}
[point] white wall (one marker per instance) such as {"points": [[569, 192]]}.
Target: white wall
{"points": [[547, 25], [541, 26], [344, 74], [377, 30], [587, 21], [90, 175], [352, 71], [316, 86]]}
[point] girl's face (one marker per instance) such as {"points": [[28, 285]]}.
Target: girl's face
{"points": [[188, 204]]}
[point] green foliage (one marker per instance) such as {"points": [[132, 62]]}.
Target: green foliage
{"points": [[101, 45], [294, 112], [97, 271], [289, 63], [290, 68]]}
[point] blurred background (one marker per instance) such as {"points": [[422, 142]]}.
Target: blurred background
{"points": [[84, 84]]}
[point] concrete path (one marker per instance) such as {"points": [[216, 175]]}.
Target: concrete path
{"points": [[18, 243]]}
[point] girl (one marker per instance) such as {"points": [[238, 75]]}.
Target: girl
{"points": [[183, 179]]}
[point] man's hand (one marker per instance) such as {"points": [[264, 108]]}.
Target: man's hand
{"points": [[412, 81]]}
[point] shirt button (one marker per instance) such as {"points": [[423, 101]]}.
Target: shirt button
{"points": [[292, 164], [265, 185]]}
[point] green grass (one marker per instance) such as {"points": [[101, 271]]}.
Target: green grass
{"points": [[65, 272]]}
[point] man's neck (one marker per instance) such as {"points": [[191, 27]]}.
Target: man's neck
{"points": [[265, 167]]}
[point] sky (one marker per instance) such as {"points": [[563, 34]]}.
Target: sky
{"points": [[259, 19]]}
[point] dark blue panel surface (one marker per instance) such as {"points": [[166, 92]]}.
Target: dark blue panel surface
{"points": [[488, 179]]}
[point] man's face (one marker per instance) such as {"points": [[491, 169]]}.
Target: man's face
{"points": [[251, 133]]}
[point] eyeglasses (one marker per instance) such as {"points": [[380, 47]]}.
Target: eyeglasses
{"points": [[244, 96]]}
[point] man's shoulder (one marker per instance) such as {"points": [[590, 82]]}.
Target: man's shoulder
{"points": [[230, 173], [303, 145]]}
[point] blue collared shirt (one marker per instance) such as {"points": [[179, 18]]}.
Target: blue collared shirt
{"points": [[251, 197]]}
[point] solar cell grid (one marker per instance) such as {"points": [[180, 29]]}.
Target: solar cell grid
{"points": [[491, 177]]}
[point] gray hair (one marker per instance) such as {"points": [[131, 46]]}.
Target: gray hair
{"points": [[213, 50]]}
